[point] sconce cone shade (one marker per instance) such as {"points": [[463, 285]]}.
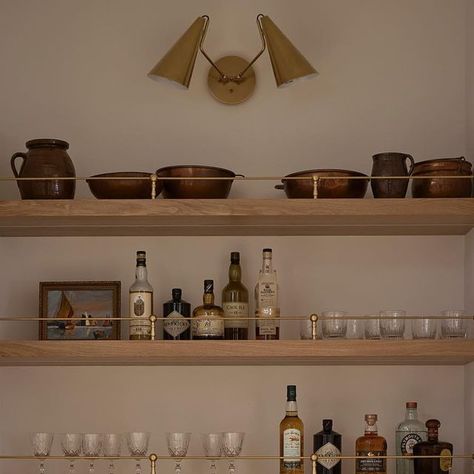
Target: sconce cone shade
{"points": [[177, 64], [287, 62]]}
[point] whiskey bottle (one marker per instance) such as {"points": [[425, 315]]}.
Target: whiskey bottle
{"points": [[371, 444], [176, 326], [409, 432], [266, 300], [327, 443], [291, 437], [235, 302], [140, 301], [433, 447], [208, 319]]}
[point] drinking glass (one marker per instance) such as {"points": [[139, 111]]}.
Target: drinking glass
{"points": [[178, 444], [138, 446], [424, 328], [452, 325], [91, 447], [333, 327], [392, 324], [71, 444], [212, 443], [232, 446], [355, 329], [372, 328], [41, 447], [112, 446]]}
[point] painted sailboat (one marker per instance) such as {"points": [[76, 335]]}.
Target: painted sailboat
{"points": [[65, 311]]}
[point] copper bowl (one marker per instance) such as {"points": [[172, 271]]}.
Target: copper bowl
{"points": [[340, 187], [195, 188], [122, 188]]}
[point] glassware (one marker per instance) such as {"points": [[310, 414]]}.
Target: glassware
{"points": [[392, 324], [112, 447], [306, 329], [333, 327], [41, 443], [178, 444], [232, 447], [452, 325], [71, 444], [138, 446], [355, 329], [212, 444], [423, 328], [372, 328], [91, 447]]}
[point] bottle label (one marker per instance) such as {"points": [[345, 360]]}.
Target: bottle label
{"points": [[328, 450], [141, 308], [407, 443], [291, 447], [265, 326], [236, 310], [175, 324], [370, 464], [267, 294], [207, 327], [445, 462]]}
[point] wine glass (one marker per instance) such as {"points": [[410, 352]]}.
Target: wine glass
{"points": [[112, 447], [138, 446], [91, 447], [71, 444], [178, 444], [212, 443], [232, 446], [41, 447]]}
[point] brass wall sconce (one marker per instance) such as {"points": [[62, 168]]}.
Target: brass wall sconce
{"points": [[231, 79]]}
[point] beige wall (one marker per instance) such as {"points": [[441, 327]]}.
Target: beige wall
{"points": [[470, 79]]}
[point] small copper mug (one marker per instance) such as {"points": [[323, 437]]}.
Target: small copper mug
{"points": [[391, 164]]}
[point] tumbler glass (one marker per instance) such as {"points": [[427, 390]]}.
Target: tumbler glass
{"points": [[452, 325], [423, 328], [355, 329], [333, 326], [392, 324], [372, 328]]}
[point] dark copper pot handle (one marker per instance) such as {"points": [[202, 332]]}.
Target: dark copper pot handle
{"points": [[12, 162], [280, 186], [412, 164]]}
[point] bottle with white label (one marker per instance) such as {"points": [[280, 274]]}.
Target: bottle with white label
{"points": [[208, 319], [235, 302], [140, 301], [328, 444], [177, 312], [266, 300], [291, 437]]}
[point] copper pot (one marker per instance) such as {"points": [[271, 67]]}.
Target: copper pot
{"points": [[122, 188], [341, 187], [195, 188], [434, 187]]}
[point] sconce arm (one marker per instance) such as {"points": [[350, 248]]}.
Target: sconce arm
{"points": [[264, 45], [203, 37]]}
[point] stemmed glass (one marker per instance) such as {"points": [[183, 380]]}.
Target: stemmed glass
{"points": [[232, 446], [41, 447], [71, 444], [91, 447], [138, 446], [178, 444], [212, 443], [112, 446]]}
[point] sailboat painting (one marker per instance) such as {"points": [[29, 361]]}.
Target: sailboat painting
{"points": [[79, 310]]}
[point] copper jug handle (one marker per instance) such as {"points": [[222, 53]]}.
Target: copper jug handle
{"points": [[12, 162], [412, 163]]}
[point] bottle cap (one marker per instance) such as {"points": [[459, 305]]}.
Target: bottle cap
{"points": [[141, 253], [371, 419], [411, 405], [208, 286], [235, 258], [433, 426], [291, 393], [141, 257], [327, 426], [267, 250], [176, 293]]}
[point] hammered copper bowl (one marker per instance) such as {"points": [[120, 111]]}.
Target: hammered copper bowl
{"points": [[122, 188], [340, 187], [195, 188]]}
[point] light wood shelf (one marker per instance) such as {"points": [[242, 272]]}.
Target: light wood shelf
{"points": [[321, 352], [237, 217]]}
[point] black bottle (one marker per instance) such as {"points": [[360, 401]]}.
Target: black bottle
{"points": [[328, 443], [177, 312]]}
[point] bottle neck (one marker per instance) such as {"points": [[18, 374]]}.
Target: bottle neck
{"points": [[412, 414], [208, 298], [267, 265], [432, 436], [141, 273], [371, 430], [291, 408], [235, 272]]}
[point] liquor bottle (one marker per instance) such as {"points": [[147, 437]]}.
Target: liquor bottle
{"points": [[208, 319], [328, 443], [291, 436], [177, 312], [140, 301], [235, 302], [433, 447], [266, 300], [371, 444], [409, 432]]}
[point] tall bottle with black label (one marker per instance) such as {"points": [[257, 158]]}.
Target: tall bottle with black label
{"points": [[328, 444], [208, 319], [140, 301], [409, 432], [291, 436], [235, 302], [266, 300], [371, 444], [177, 312]]}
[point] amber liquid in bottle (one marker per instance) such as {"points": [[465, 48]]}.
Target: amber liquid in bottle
{"points": [[208, 319], [371, 444]]}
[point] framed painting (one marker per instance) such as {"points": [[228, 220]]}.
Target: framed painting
{"points": [[79, 299]]}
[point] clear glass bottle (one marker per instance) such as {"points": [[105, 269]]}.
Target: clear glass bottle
{"points": [[177, 312], [371, 444], [208, 319], [327, 443], [291, 436], [409, 432], [235, 302], [266, 300], [140, 301]]}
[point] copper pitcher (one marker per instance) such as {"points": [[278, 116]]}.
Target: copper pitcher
{"points": [[391, 164]]}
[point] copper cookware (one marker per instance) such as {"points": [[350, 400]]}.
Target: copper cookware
{"points": [[122, 188], [340, 187]]}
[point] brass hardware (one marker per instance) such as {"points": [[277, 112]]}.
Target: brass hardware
{"points": [[153, 178], [315, 186], [314, 328], [153, 319], [153, 458], [314, 459]]}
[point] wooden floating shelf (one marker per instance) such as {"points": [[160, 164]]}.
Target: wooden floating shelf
{"points": [[321, 352], [237, 217]]}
